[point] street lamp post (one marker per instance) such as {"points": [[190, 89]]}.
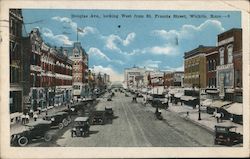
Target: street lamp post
{"points": [[199, 117]]}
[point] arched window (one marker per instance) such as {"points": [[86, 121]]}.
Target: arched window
{"points": [[221, 50], [230, 53]]}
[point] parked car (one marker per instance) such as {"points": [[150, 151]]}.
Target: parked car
{"points": [[98, 117], [76, 109], [227, 135], [81, 127], [60, 119], [159, 100], [34, 130], [109, 111]]}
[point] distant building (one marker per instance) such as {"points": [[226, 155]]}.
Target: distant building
{"points": [[135, 77], [16, 65], [173, 78], [229, 69], [195, 67]]}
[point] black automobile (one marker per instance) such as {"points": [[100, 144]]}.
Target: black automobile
{"points": [[81, 127], [59, 119], [109, 111], [34, 130], [227, 135], [98, 117]]}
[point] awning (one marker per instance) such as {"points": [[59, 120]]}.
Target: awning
{"points": [[212, 91], [206, 102], [187, 98], [235, 108], [178, 95], [219, 103]]}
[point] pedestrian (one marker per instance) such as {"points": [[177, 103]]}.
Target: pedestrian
{"points": [[39, 110], [23, 118], [187, 114], [31, 113], [35, 116], [27, 118], [46, 111]]}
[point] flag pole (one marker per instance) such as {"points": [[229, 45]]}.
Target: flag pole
{"points": [[77, 35]]}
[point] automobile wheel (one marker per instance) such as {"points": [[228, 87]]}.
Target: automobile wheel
{"points": [[23, 141], [47, 137], [60, 125], [65, 122]]}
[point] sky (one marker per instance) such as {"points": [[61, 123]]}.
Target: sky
{"points": [[118, 39]]}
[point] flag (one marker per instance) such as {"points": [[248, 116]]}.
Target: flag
{"points": [[80, 30]]}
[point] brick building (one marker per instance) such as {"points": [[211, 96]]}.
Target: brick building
{"points": [[212, 58], [80, 69], [229, 70], [63, 77], [195, 67], [15, 54]]}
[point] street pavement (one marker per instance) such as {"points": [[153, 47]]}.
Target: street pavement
{"points": [[135, 125]]}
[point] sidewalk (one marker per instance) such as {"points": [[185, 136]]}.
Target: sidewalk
{"points": [[207, 120], [19, 127]]}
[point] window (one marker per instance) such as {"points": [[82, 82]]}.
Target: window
{"points": [[221, 50], [230, 53]]}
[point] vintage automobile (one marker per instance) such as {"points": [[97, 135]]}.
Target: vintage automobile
{"points": [[81, 127], [159, 100], [76, 109], [109, 111], [34, 130], [98, 117], [59, 119], [109, 98], [226, 134]]}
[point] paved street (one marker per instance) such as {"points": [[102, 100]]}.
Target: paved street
{"points": [[136, 126]]}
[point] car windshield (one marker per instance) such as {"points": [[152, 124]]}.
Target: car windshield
{"points": [[79, 123], [158, 96]]}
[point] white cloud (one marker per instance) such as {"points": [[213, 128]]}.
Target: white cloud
{"points": [[114, 76], [86, 30], [58, 39], [151, 64], [112, 41], [129, 39], [163, 50], [98, 53], [188, 30], [168, 68]]}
